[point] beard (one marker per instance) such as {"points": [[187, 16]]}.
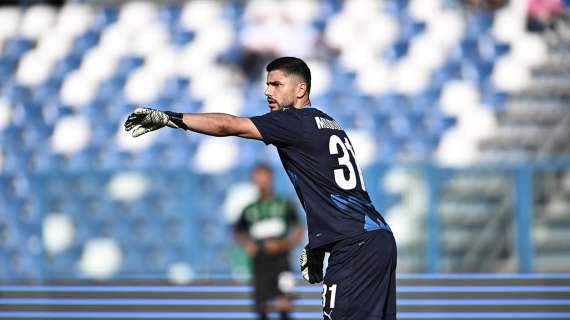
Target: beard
{"points": [[278, 106]]}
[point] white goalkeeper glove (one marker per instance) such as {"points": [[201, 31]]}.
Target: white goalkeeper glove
{"points": [[144, 120], [312, 265]]}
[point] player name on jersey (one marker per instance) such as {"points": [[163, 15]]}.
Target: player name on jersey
{"points": [[323, 123]]}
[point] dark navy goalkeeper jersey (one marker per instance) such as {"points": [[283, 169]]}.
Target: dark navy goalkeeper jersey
{"points": [[320, 161]]}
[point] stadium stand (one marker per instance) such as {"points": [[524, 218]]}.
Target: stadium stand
{"points": [[444, 104]]}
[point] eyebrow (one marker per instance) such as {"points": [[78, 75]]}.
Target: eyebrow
{"points": [[275, 82]]}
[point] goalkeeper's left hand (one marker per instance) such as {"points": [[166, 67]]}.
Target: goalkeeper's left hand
{"points": [[144, 120], [311, 262]]}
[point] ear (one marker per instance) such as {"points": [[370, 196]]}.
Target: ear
{"points": [[301, 89]]}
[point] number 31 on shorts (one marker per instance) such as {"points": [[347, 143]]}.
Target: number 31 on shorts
{"points": [[332, 290]]}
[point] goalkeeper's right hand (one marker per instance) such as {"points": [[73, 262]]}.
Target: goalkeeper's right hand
{"points": [[312, 265], [144, 120]]}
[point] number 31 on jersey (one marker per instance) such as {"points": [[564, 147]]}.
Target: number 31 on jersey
{"points": [[345, 160]]}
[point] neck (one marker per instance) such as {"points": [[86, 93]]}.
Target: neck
{"points": [[266, 194], [302, 103]]}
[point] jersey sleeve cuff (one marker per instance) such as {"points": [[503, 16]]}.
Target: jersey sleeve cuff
{"points": [[257, 123]]}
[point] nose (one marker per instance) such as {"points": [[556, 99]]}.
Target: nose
{"points": [[267, 91]]}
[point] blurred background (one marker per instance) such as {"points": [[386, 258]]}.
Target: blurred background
{"points": [[459, 110]]}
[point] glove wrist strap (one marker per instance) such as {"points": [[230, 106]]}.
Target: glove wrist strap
{"points": [[176, 118]]}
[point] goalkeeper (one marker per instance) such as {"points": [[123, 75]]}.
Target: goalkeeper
{"points": [[320, 161]]}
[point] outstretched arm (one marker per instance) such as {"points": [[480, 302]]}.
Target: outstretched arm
{"points": [[144, 120], [221, 125]]}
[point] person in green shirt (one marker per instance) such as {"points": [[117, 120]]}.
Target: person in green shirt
{"points": [[267, 230]]}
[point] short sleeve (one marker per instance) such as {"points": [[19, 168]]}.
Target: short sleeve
{"points": [[279, 128], [242, 224]]}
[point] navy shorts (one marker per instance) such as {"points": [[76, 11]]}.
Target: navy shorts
{"points": [[266, 272], [360, 281]]}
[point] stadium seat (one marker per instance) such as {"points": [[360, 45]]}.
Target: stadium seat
{"points": [[7, 67], [84, 42], [103, 17], [64, 66], [15, 47]]}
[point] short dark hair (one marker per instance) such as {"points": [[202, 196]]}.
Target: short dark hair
{"points": [[263, 166], [292, 65]]}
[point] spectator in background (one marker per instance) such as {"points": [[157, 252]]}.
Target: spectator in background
{"points": [[543, 13], [269, 32], [487, 5], [27, 3], [267, 230]]}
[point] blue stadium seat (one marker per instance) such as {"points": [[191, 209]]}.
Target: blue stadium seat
{"points": [[65, 66], [11, 138], [396, 51], [103, 18], [185, 102], [175, 86], [15, 47], [441, 75], [118, 108], [7, 67], [181, 36], [17, 161], [9, 232], [47, 91], [250, 153], [425, 101], [133, 260], [476, 72], [16, 92], [58, 266], [23, 265], [53, 111], [163, 102], [113, 159], [94, 111], [19, 117], [389, 103], [490, 49], [172, 156], [45, 160], [148, 157], [400, 125], [478, 23], [466, 50], [35, 134], [437, 123], [169, 14], [174, 230], [111, 88], [493, 97], [85, 159], [4, 261], [409, 27], [128, 64], [395, 7], [84, 42]]}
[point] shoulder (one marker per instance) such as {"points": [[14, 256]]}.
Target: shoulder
{"points": [[279, 117], [308, 111], [312, 113], [280, 199], [251, 206], [284, 201]]}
